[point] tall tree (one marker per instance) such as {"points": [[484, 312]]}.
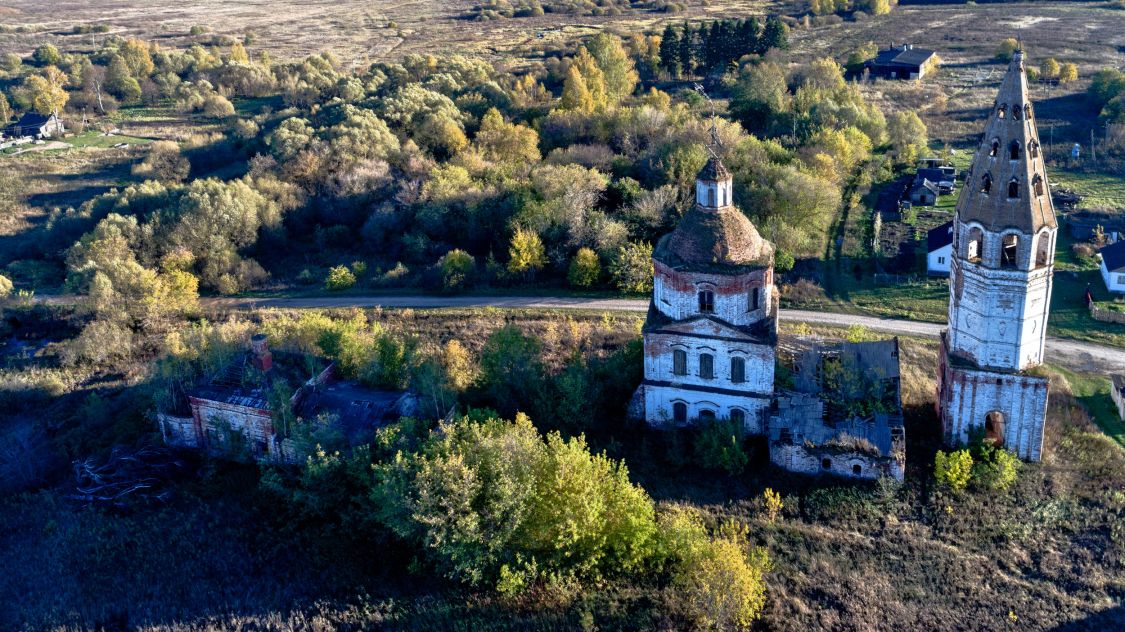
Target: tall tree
{"points": [[46, 91], [687, 50], [775, 35], [616, 66], [670, 51]]}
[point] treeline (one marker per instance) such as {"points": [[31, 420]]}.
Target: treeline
{"points": [[716, 44], [446, 173]]}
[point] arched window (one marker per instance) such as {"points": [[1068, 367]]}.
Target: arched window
{"points": [[1009, 250], [1001, 111], [986, 183], [737, 370], [826, 463], [679, 362], [995, 147], [1013, 188], [707, 366], [1033, 149], [738, 416], [1027, 111], [706, 415], [1016, 110], [1014, 150], [706, 301], [755, 298], [973, 248], [1037, 184], [994, 428], [679, 412], [1042, 249], [857, 469]]}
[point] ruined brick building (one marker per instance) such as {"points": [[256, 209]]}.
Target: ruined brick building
{"points": [[1000, 283], [231, 412], [711, 350]]}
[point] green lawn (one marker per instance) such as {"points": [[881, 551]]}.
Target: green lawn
{"points": [[1098, 189], [1092, 392]]}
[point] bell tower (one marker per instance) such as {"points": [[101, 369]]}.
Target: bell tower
{"points": [[1000, 283]]}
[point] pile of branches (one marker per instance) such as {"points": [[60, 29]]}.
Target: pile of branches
{"points": [[127, 476]]}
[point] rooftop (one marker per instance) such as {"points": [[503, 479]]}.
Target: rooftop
{"points": [[714, 238], [357, 409], [939, 237], [905, 55], [1113, 256]]}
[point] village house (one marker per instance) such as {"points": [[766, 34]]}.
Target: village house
{"points": [[710, 351], [36, 125], [924, 193], [903, 62], [235, 411], [939, 249], [1000, 280], [1112, 266]]}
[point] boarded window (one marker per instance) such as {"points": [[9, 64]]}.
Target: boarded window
{"points": [[706, 302], [679, 412], [737, 370], [707, 366], [679, 362]]}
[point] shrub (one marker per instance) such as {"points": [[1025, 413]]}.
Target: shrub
{"points": [[996, 468], [718, 446], [198, 29], [632, 268], [339, 278], [584, 268], [771, 504], [457, 268], [953, 470], [526, 254]]}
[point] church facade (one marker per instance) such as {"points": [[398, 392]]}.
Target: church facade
{"points": [[1000, 284], [711, 329]]}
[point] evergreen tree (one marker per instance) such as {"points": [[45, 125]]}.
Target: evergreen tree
{"points": [[670, 51], [748, 34], [687, 50], [775, 35]]}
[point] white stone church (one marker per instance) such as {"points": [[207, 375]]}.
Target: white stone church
{"points": [[711, 343]]}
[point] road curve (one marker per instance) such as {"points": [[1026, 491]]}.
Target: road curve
{"points": [[1083, 356]]}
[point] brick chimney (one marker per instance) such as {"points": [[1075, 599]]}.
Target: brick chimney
{"points": [[260, 354]]}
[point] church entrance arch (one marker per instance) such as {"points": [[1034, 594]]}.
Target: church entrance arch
{"points": [[994, 428]]}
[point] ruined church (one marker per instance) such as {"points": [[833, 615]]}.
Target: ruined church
{"points": [[711, 350], [1000, 284]]}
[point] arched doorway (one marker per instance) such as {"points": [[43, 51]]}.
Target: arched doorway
{"points": [[994, 428]]}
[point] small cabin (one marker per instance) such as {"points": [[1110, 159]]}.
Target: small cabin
{"points": [[903, 62], [36, 125], [1112, 266], [939, 249]]}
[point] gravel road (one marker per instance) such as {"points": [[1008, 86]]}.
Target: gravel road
{"points": [[1083, 356]]}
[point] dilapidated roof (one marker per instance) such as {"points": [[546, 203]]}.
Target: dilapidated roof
{"points": [[714, 171], [707, 238]]}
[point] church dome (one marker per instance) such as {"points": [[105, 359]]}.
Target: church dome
{"points": [[708, 238], [713, 233]]}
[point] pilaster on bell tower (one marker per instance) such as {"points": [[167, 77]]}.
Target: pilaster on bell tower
{"points": [[1000, 281]]}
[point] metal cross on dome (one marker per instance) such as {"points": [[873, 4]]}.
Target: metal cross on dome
{"points": [[715, 142]]}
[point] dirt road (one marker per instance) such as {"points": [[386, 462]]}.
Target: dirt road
{"points": [[1082, 356]]}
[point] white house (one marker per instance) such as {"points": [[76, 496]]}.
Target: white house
{"points": [[939, 249], [1113, 266], [36, 125]]}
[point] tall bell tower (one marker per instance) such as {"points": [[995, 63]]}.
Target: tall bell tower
{"points": [[1000, 283]]}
